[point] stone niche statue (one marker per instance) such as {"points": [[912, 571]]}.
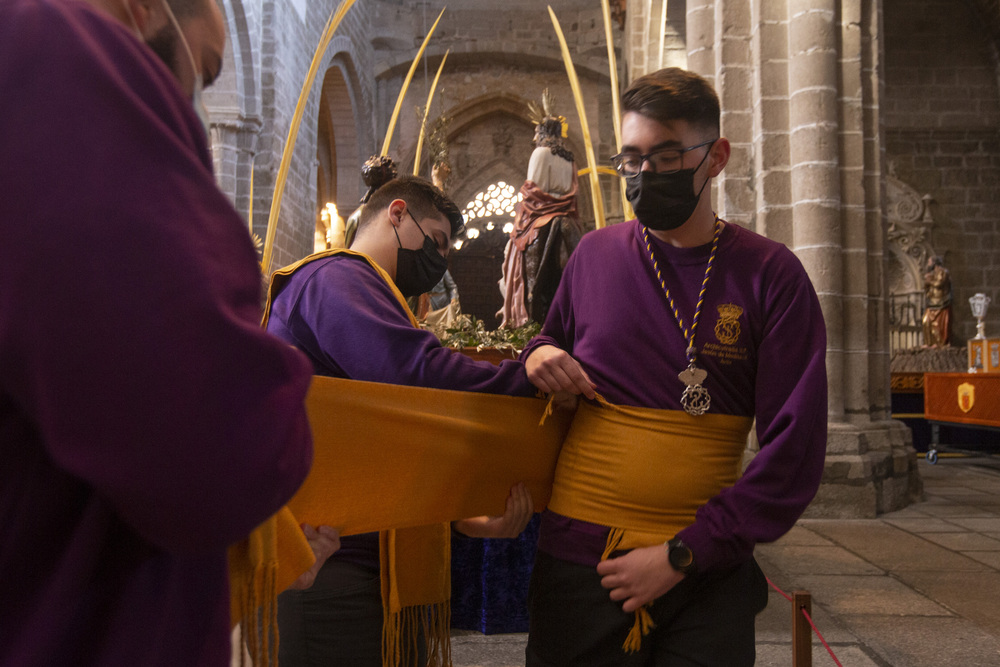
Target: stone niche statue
{"points": [[937, 310], [546, 226]]}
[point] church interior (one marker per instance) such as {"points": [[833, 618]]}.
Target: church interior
{"points": [[184, 447], [865, 135]]}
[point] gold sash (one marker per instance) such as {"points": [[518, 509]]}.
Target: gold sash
{"points": [[407, 460], [404, 461], [645, 473]]}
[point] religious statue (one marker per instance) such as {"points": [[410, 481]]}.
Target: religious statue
{"points": [[937, 311], [440, 174], [546, 226]]}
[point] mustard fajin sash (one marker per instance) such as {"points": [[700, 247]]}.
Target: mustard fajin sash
{"points": [[404, 461], [645, 472]]}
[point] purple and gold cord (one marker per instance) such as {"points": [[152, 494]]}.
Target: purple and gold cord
{"points": [[689, 337]]}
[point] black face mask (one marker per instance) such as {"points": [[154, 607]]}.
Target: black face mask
{"points": [[664, 201], [417, 271]]}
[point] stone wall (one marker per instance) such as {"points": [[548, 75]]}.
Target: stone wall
{"points": [[501, 58], [942, 115], [498, 62], [270, 47]]}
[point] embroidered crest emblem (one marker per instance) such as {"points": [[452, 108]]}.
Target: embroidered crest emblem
{"points": [[966, 396], [727, 327]]}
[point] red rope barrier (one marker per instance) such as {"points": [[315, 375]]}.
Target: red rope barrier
{"points": [[809, 619], [787, 596]]}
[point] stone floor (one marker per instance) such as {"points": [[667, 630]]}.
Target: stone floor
{"points": [[915, 588]]}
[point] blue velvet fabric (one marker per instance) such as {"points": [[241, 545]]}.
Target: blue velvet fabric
{"points": [[489, 582]]}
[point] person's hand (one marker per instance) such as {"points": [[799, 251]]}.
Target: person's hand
{"points": [[324, 542], [552, 369], [516, 516], [638, 577]]}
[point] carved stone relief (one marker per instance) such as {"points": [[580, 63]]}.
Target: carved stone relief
{"points": [[909, 237], [910, 223]]}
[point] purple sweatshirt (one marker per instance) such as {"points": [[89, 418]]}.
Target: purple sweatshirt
{"points": [[350, 324], [146, 421], [760, 337]]}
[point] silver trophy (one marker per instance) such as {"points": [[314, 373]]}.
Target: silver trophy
{"points": [[979, 302]]}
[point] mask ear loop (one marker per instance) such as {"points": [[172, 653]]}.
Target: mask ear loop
{"points": [[395, 231], [131, 18], [196, 99], [707, 178]]}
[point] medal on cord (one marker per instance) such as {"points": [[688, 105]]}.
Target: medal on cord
{"points": [[695, 399]]}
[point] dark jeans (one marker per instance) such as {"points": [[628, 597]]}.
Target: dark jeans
{"points": [[335, 623], [705, 620]]}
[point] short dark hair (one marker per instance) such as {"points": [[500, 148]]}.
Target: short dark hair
{"points": [[673, 93], [421, 196]]}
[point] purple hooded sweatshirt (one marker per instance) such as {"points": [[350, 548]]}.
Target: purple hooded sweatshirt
{"points": [[146, 421], [760, 337], [346, 319]]}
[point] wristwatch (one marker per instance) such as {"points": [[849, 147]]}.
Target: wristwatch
{"points": [[680, 556]]}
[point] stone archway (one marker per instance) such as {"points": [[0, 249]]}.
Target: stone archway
{"points": [[234, 104], [493, 130], [338, 150], [477, 265]]}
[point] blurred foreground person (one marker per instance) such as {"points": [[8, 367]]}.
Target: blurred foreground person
{"points": [[146, 421]]}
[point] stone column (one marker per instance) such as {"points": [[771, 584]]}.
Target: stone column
{"points": [[798, 84], [814, 162], [701, 38], [234, 144], [638, 20], [868, 467], [734, 189], [769, 53]]}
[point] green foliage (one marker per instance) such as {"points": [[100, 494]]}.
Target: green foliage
{"points": [[467, 331]]}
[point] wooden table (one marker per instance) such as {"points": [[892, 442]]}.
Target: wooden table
{"points": [[970, 399]]}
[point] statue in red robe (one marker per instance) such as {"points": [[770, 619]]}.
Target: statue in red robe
{"points": [[546, 226]]}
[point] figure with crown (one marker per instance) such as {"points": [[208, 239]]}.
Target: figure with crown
{"points": [[546, 226]]}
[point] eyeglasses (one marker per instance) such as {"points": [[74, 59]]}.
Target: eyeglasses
{"points": [[664, 161]]}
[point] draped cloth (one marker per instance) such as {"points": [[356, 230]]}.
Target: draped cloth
{"points": [[645, 472], [404, 461], [536, 211], [398, 458], [255, 579]]}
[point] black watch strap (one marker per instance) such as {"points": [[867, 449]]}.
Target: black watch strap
{"points": [[680, 556]]}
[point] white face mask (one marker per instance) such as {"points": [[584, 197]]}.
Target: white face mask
{"points": [[196, 96]]}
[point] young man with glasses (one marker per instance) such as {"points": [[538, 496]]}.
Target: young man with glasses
{"points": [[691, 329]]}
